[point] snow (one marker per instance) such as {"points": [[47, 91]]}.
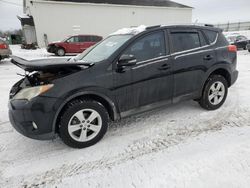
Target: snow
{"points": [[131, 30], [23, 16], [178, 146]]}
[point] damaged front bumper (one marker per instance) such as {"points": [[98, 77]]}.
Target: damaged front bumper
{"points": [[33, 119]]}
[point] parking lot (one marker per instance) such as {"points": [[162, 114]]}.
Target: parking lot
{"points": [[178, 146]]}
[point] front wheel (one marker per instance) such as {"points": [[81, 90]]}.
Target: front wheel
{"points": [[60, 52], [83, 123], [214, 93]]}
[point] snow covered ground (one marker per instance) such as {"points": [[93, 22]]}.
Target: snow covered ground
{"points": [[178, 146]]}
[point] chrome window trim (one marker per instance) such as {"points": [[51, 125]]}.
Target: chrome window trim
{"points": [[166, 57], [150, 63], [202, 47]]}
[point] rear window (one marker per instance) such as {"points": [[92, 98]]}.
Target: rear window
{"points": [[211, 35], [185, 41]]}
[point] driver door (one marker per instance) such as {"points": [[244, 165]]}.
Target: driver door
{"points": [[150, 80]]}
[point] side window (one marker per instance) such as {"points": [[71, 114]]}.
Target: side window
{"points": [[185, 40], [148, 47], [202, 39], [96, 39], [241, 38], [85, 39], [211, 35], [73, 39], [70, 40]]}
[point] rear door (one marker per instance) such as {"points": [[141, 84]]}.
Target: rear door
{"points": [[85, 42], [190, 54]]}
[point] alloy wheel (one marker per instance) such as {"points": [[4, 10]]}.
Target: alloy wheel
{"points": [[216, 93], [84, 125]]}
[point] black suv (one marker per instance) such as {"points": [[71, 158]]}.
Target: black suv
{"points": [[240, 41], [131, 71]]}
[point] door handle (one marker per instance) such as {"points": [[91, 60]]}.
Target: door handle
{"points": [[208, 57], [164, 67]]}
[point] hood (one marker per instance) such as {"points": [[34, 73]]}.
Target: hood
{"points": [[48, 64], [56, 42]]}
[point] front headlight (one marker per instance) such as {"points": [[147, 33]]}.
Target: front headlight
{"points": [[31, 92]]}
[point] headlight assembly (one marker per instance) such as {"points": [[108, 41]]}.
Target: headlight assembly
{"points": [[31, 92]]}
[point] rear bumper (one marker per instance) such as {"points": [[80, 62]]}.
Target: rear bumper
{"points": [[23, 114], [248, 46], [234, 77]]}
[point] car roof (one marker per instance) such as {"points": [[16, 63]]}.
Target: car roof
{"points": [[187, 27], [85, 35], [144, 29]]}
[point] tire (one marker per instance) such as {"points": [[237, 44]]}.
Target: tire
{"points": [[248, 50], [60, 52], [214, 93], [84, 132]]}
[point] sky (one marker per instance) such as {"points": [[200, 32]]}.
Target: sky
{"points": [[205, 11]]}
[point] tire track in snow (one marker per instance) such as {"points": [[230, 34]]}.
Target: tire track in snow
{"points": [[138, 149]]}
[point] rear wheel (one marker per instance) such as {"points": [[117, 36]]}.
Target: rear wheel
{"points": [[83, 123], [214, 93], [60, 52]]}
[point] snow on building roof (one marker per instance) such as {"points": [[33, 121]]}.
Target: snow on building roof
{"points": [[158, 3]]}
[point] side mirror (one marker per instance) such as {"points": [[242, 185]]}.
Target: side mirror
{"points": [[126, 60]]}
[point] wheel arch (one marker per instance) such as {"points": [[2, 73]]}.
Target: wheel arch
{"points": [[222, 69], [103, 99]]}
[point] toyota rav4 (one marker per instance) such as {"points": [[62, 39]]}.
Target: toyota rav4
{"points": [[131, 71]]}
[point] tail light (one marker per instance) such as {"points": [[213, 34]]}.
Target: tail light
{"points": [[3, 46], [232, 48]]}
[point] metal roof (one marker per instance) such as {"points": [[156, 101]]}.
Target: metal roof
{"points": [[158, 3]]}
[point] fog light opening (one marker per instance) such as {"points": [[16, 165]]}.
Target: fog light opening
{"points": [[34, 125]]}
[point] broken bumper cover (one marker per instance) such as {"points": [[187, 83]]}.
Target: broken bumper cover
{"points": [[33, 119]]}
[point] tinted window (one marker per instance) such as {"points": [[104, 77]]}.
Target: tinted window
{"points": [[148, 47], [185, 40], [202, 39], [84, 38], [96, 39], [211, 35], [239, 38]]}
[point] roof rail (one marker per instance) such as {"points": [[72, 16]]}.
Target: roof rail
{"points": [[153, 27], [209, 25]]}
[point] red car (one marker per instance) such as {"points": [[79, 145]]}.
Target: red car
{"points": [[73, 44]]}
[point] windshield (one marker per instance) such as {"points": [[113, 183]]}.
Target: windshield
{"points": [[104, 49], [231, 38]]}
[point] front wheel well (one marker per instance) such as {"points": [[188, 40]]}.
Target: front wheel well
{"points": [[223, 73], [97, 98]]}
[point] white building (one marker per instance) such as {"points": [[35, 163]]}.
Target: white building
{"points": [[46, 21]]}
